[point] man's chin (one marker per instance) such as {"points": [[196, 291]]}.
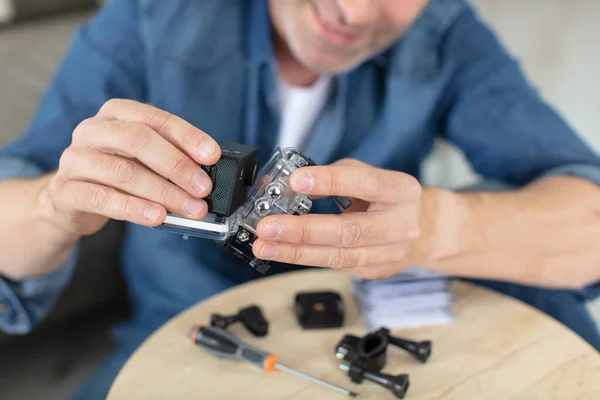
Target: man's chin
{"points": [[327, 63]]}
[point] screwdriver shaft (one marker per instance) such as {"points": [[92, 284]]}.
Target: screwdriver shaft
{"points": [[221, 343], [317, 380]]}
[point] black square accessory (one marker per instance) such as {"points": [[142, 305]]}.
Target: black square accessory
{"points": [[319, 310], [232, 176]]}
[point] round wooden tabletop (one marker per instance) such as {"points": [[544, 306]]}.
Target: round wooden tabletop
{"points": [[498, 348]]}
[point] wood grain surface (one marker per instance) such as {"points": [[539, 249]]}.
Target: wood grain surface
{"points": [[498, 348]]}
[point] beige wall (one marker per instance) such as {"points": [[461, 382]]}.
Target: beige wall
{"points": [[558, 44]]}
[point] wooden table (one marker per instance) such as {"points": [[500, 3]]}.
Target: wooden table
{"points": [[498, 348]]}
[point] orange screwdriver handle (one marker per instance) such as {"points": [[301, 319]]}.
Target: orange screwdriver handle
{"points": [[222, 344]]}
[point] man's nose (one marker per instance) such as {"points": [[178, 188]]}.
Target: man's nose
{"points": [[359, 12]]}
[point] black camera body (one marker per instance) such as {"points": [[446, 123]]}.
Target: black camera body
{"points": [[232, 176]]}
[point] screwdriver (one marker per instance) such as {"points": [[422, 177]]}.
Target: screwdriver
{"points": [[222, 344]]}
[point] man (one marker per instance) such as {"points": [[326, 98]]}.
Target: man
{"points": [[362, 86]]}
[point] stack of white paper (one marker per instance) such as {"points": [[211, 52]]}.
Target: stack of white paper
{"points": [[414, 297]]}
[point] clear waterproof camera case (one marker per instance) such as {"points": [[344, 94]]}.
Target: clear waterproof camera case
{"points": [[210, 227], [271, 194]]}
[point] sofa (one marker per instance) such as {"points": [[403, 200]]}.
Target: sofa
{"points": [[63, 350]]}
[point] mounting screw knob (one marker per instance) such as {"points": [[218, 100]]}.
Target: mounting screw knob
{"points": [[243, 236]]}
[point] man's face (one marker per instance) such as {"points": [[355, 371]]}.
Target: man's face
{"points": [[335, 35]]}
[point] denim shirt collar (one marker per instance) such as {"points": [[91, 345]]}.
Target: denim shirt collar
{"points": [[260, 37]]}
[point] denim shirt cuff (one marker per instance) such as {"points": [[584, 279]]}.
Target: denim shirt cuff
{"points": [[592, 174], [24, 303], [585, 171]]}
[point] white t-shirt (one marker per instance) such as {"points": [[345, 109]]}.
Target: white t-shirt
{"points": [[300, 107]]}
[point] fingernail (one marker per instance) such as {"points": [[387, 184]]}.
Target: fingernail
{"points": [[205, 149], [152, 213], [268, 251], [201, 181], [272, 230], [193, 207], [304, 182]]}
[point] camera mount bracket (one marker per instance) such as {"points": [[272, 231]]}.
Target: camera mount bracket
{"points": [[270, 194]]}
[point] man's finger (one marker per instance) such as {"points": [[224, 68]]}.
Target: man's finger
{"points": [[382, 271], [345, 230], [194, 142], [132, 178], [350, 162], [326, 256], [357, 204], [136, 140], [365, 183], [109, 202]]}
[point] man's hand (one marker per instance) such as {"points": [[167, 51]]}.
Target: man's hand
{"points": [[119, 165], [375, 238], [534, 235]]}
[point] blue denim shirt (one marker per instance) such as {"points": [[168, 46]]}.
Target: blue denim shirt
{"points": [[211, 63]]}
